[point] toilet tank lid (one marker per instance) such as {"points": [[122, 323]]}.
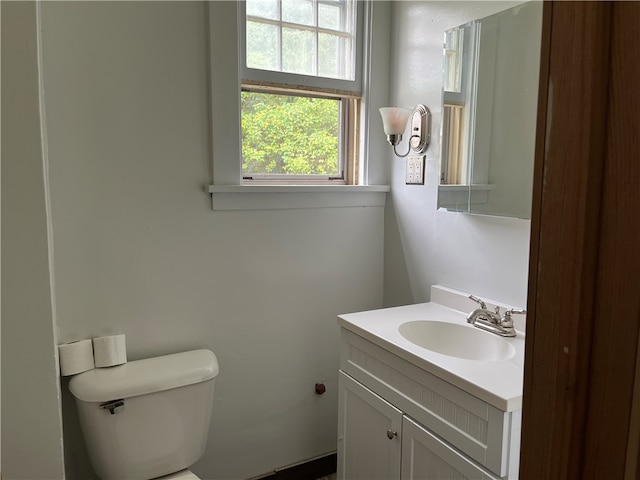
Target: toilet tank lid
{"points": [[141, 377]]}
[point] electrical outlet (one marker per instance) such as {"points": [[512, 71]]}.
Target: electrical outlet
{"points": [[410, 171], [415, 170]]}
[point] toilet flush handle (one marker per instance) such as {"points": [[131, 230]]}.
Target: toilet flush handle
{"points": [[114, 406]]}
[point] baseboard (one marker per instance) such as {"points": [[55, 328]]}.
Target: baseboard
{"points": [[310, 470]]}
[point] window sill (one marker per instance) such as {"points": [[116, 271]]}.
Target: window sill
{"points": [[283, 197]]}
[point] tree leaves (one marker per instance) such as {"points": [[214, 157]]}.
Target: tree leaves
{"points": [[285, 134]]}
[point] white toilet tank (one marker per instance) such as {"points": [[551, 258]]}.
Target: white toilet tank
{"points": [[146, 418]]}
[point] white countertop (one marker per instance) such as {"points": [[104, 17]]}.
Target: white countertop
{"points": [[497, 382]]}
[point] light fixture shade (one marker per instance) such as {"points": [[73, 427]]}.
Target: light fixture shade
{"points": [[394, 119]]}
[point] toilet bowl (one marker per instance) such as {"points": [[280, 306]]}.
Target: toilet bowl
{"points": [[147, 419]]}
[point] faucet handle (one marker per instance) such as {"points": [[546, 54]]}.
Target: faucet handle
{"points": [[477, 300], [507, 321]]}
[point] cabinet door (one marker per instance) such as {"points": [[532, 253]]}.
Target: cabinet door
{"points": [[369, 433], [426, 457]]}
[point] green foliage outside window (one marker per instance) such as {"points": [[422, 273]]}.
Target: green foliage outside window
{"points": [[283, 134]]}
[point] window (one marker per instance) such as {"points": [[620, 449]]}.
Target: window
{"points": [[301, 90]]}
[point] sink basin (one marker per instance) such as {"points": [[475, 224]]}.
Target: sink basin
{"points": [[461, 341]]}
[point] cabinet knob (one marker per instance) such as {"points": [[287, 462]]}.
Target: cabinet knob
{"points": [[391, 434]]}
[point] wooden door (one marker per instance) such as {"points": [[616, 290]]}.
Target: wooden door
{"points": [[581, 404]]}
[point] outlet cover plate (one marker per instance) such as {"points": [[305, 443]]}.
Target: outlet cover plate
{"points": [[415, 170]]}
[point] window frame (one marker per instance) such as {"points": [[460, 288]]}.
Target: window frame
{"points": [[348, 92], [225, 189]]}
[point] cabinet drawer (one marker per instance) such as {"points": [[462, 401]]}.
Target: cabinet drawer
{"points": [[480, 430]]}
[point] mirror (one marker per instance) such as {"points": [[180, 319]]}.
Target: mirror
{"points": [[489, 108]]}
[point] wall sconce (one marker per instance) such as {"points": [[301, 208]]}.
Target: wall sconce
{"points": [[394, 120]]}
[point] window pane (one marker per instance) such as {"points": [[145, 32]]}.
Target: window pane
{"points": [[297, 11], [453, 44], [297, 51], [262, 46], [296, 43], [328, 55], [283, 134], [329, 16], [263, 8]]}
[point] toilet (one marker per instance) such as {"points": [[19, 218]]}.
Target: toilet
{"points": [[147, 418]]}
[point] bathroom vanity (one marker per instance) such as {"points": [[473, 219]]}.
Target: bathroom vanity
{"points": [[450, 410]]}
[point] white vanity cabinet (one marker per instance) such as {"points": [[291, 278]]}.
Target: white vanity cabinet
{"points": [[398, 421]]}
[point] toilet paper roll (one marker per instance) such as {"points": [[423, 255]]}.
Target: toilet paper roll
{"points": [[75, 357], [109, 351]]}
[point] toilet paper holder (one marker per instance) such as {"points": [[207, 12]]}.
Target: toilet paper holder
{"points": [[114, 406]]}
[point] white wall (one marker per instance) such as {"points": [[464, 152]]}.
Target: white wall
{"points": [[139, 251], [31, 423], [487, 256]]}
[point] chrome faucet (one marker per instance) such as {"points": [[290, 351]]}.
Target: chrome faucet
{"points": [[492, 321]]}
